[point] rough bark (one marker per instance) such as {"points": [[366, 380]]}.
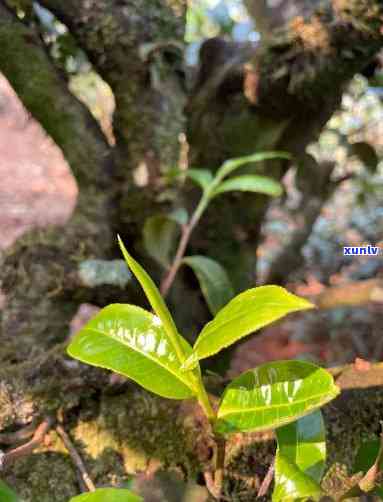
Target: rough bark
{"points": [[282, 102], [36, 271]]}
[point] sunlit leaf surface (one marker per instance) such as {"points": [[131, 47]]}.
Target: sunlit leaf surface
{"points": [[301, 444], [272, 395], [250, 183], [213, 279], [293, 485], [131, 341], [247, 312], [108, 495], [154, 296]]}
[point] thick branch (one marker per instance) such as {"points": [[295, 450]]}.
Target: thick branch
{"points": [[43, 91], [135, 46]]}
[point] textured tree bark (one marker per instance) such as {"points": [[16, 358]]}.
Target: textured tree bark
{"points": [[281, 102], [36, 271]]}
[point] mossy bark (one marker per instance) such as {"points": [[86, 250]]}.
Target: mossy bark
{"points": [[118, 431], [121, 431]]}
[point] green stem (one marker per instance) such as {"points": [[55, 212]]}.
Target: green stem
{"points": [[203, 399]]}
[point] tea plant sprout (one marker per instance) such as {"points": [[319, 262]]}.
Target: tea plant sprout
{"points": [[159, 229], [147, 347]]}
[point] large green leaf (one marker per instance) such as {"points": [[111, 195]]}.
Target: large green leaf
{"points": [[247, 312], [6, 494], [272, 395], [293, 485], [132, 341], [213, 279], [108, 495], [155, 299], [303, 445], [159, 235], [250, 183], [232, 164]]}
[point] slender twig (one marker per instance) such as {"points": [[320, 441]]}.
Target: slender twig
{"points": [[27, 448], [18, 436], [77, 460], [187, 230], [264, 488], [172, 272]]}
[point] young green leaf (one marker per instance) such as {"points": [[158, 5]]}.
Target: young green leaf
{"points": [[6, 494], [247, 312], [159, 234], [155, 299], [293, 485], [108, 495], [179, 216], [272, 395], [231, 165], [250, 183], [133, 342], [201, 177], [302, 446], [213, 279]]}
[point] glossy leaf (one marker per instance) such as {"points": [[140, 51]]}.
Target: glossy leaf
{"points": [[293, 485], [133, 342], [272, 395], [201, 177], [231, 165], [247, 312], [250, 183], [6, 494], [213, 279], [108, 495], [303, 445], [155, 299], [159, 234]]}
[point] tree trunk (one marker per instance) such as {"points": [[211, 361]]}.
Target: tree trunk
{"points": [[280, 102]]}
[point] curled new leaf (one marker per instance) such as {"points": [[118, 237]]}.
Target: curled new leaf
{"points": [[302, 446], [108, 495], [272, 395], [250, 183], [133, 342], [247, 312], [213, 279]]}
